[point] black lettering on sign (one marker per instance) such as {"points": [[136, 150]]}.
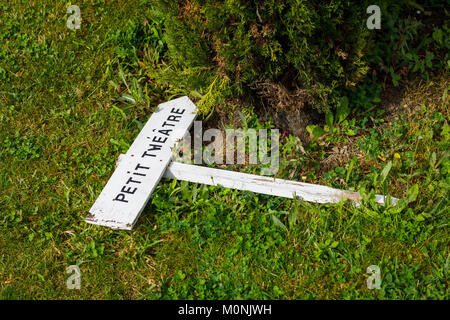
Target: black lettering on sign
{"points": [[139, 174], [159, 139], [165, 132], [167, 124], [141, 167], [154, 147], [145, 154], [177, 111], [132, 181]]}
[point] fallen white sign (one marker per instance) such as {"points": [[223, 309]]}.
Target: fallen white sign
{"points": [[149, 158], [129, 188]]}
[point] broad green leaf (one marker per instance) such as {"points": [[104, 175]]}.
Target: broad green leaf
{"points": [[433, 160], [127, 98], [316, 131], [243, 118], [412, 193], [334, 244], [342, 110], [385, 171], [292, 217]]}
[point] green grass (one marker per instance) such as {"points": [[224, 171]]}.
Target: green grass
{"points": [[66, 115]]}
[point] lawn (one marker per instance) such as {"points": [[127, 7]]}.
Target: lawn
{"points": [[71, 101]]}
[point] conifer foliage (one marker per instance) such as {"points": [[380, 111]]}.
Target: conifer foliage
{"points": [[309, 48]]}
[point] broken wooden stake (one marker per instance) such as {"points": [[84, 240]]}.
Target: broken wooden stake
{"points": [[129, 188]]}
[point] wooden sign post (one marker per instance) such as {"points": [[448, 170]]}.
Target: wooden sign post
{"points": [[149, 158]]}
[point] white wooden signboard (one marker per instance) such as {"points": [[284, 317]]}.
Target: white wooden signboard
{"points": [[129, 188], [149, 158]]}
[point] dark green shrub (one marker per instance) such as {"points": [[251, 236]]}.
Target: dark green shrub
{"points": [[308, 49]]}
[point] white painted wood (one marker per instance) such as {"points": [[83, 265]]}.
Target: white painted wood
{"points": [[136, 176], [265, 185]]}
